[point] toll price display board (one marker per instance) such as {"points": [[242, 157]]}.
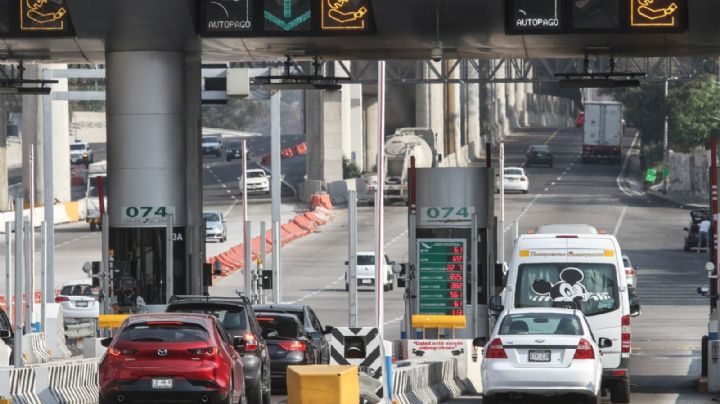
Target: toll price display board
{"points": [[272, 18], [441, 276], [528, 17]]}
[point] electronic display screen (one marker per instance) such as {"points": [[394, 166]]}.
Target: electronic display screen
{"points": [[441, 276], [285, 18], [595, 16], [34, 18]]}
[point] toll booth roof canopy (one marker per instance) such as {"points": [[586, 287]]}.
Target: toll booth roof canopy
{"points": [[387, 29]]}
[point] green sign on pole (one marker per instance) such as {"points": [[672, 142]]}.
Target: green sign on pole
{"points": [[441, 276], [651, 175]]}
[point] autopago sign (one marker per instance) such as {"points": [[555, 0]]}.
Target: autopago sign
{"points": [[446, 215]]}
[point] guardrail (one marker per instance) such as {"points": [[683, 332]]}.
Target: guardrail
{"points": [[65, 382]]}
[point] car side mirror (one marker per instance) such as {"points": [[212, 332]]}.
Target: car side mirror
{"points": [[106, 342], [636, 267], [347, 262], [479, 342], [604, 342], [239, 343], [4, 334], [328, 330], [496, 304], [634, 303], [686, 229]]}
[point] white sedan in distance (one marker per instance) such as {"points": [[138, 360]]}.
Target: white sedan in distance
{"points": [[515, 180], [258, 182], [542, 351]]}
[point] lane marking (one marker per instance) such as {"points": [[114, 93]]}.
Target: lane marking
{"points": [[623, 172], [552, 136], [620, 220]]}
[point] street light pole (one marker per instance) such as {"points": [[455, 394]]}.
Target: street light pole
{"points": [[665, 145]]}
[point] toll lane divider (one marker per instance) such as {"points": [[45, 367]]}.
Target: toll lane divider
{"points": [[67, 212], [299, 226], [428, 382], [286, 153], [67, 382]]}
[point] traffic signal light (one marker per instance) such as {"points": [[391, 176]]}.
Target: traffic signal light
{"points": [[95, 274]]}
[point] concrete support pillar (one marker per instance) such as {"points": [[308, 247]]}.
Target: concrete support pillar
{"points": [[511, 112], [370, 133], [31, 127], [422, 105], [324, 126], [4, 194], [355, 124], [436, 108], [60, 141], [475, 143]]}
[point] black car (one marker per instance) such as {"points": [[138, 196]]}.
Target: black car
{"points": [[309, 320], [539, 154], [289, 343], [238, 318], [693, 230], [6, 333], [233, 150]]}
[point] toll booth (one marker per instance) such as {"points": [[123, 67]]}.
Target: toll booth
{"points": [[452, 241]]}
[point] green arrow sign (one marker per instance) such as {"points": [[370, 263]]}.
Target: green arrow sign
{"points": [[287, 18]]}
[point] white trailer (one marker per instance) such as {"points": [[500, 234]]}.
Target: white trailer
{"points": [[92, 191], [603, 131]]}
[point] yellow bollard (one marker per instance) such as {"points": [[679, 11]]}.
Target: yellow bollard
{"points": [[323, 384]]}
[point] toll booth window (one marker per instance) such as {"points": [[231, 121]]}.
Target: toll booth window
{"points": [[140, 252], [596, 14]]}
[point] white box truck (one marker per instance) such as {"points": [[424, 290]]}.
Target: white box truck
{"points": [[603, 131]]}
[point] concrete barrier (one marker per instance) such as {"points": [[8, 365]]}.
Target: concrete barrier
{"points": [[323, 384], [35, 348], [428, 382], [67, 382], [21, 386]]}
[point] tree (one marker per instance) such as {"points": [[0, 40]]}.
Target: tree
{"points": [[693, 107]]}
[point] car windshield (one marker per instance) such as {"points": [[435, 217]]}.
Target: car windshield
{"points": [[164, 331], [589, 287], [540, 323], [544, 149], [513, 171], [210, 139], [366, 260], [235, 145], [79, 290], [211, 217], [286, 327], [232, 317], [299, 313], [255, 174], [77, 147]]}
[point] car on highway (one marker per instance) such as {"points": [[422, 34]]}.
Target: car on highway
{"points": [[630, 271], [238, 318], [233, 150], [79, 300], [258, 182], [584, 272], [308, 319], [365, 271], [580, 120], [215, 228], [289, 344], [212, 144], [539, 154], [81, 153], [542, 351], [692, 231], [515, 179], [173, 357]]}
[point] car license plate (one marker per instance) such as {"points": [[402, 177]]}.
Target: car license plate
{"points": [[539, 356], [162, 384], [367, 281], [81, 303]]}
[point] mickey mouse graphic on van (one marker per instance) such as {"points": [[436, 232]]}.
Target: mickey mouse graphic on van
{"points": [[569, 290]]}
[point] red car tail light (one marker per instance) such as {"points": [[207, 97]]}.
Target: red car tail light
{"points": [[630, 272], [293, 345], [210, 351], [60, 299], [584, 350], [495, 350], [251, 343], [625, 330], [115, 352]]}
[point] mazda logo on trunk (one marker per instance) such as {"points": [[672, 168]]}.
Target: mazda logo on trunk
{"points": [[162, 352]]}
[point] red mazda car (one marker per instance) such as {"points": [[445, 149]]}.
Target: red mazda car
{"points": [[178, 358]]}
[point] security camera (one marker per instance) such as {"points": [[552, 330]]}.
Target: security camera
{"points": [[436, 53]]}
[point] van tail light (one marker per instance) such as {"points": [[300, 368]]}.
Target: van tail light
{"points": [[60, 299], [209, 352], [293, 346], [584, 350], [625, 338], [251, 343], [495, 350]]}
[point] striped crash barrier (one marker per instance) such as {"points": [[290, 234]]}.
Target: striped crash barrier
{"points": [[427, 382], [74, 383], [35, 348], [22, 385]]}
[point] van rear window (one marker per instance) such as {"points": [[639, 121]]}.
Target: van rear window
{"points": [[589, 287]]}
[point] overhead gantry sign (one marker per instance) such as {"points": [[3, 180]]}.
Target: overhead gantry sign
{"points": [[31, 18]]}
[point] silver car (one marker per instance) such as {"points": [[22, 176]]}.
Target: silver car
{"points": [[215, 228], [79, 300], [542, 351]]}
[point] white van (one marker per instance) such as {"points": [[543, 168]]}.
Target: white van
{"points": [[578, 271]]}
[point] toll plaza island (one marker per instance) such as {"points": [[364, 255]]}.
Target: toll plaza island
{"points": [[502, 186]]}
